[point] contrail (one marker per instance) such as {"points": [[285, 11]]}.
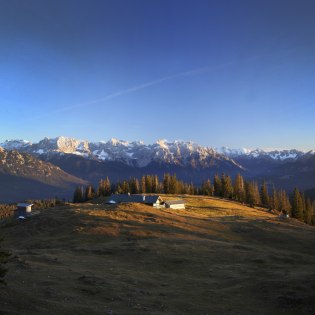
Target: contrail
{"points": [[138, 88]]}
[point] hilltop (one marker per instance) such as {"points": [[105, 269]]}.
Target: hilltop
{"points": [[215, 257]]}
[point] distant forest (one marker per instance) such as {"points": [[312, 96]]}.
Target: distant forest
{"points": [[295, 204]]}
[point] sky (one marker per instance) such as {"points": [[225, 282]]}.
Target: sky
{"points": [[219, 73]]}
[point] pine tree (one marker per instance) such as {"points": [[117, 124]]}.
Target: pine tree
{"points": [[134, 186], [100, 188], [217, 186], [206, 188], [252, 193], [274, 202], [125, 187], [155, 184], [107, 187], [264, 196], [297, 205], [173, 186], [283, 204], [143, 186], [226, 186], [308, 211], [89, 192], [238, 188], [78, 195], [166, 183]]}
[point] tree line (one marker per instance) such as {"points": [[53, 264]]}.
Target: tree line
{"points": [[244, 191]]}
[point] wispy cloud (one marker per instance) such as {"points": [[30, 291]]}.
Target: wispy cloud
{"points": [[136, 89]]}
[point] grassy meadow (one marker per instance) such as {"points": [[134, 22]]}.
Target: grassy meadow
{"points": [[214, 257]]}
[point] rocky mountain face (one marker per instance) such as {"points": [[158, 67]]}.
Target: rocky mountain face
{"points": [[23, 176], [135, 154]]}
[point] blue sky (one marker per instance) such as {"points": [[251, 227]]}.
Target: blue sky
{"points": [[232, 73]]}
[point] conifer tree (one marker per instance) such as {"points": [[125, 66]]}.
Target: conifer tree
{"points": [[308, 212], [166, 183], [106, 187], [155, 184], [143, 186], [264, 196], [206, 188], [283, 204], [217, 186], [252, 193], [89, 192], [134, 186], [274, 202], [226, 186], [125, 187], [78, 195], [249, 193], [238, 188], [297, 205], [100, 188], [173, 185], [148, 183]]}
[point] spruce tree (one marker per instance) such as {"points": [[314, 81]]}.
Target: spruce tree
{"points": [[106, 187], [283, 202], [166, 183], [78, 195], [217, 186], [308, 212], [206, 188], [173, 186], [274, 202], [297, 205], [143, 186], [155, 184], [264, 196], [238, 188], [89, 192], [252, 193], [227, 187]]}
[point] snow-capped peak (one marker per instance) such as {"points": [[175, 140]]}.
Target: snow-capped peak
{"points": [[163, 143], [256, 153], [14, 144], [233, 152], [137, 153], [114, 141]]}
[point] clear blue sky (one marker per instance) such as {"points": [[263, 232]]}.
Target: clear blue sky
{"points": [[233, 73]]}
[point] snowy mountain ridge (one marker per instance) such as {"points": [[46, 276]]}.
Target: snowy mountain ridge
{"points": [[274, 154], [138, 154]]}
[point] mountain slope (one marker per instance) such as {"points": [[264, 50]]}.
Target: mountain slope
{"points": [[23, 176]]}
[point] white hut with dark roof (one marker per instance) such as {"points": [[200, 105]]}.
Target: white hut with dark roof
{"points": [[23, 209], [175, 204]]}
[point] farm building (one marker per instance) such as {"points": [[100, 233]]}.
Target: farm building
{"points": [[23, 210], [155, 201], [175, 204]]}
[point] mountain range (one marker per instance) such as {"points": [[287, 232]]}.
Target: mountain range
{"points": [[75, 161]]}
